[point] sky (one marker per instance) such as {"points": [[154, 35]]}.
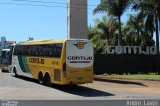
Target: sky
{"points": [[19, 21]]}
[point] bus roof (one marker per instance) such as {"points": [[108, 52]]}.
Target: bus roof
{"points": [[78, 40], [36, 42], [40, 42]]}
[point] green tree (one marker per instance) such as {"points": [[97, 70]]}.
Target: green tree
{"points": [[150, 8], [96, 37], [103, 33], [106, 27], [114, 8], [135, 28], [137, 31]]}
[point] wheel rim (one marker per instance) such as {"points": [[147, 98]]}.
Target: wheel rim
{"points": [[40, 79], [15, 72]]}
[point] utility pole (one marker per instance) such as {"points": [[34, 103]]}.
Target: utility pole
{"points": [[77, 27]]}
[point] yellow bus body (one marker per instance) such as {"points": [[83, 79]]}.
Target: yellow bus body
{"points": [[57, 68]]}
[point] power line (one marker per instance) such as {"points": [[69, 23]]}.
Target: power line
{"points": [[31, 5], [60, 3], [79, 6], [49, 6], [38, 1], [38, 5]]}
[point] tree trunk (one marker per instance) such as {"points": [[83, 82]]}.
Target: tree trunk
{"points": [[108, 39], [159, 26], [152, 33], [157, 35], [138, 41], [120, 32]]}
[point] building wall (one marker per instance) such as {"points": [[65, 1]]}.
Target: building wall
{"points": [[3, 39], [77, 19]]}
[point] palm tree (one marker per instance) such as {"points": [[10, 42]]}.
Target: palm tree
{"points": [[129, 36], [103, 27], [151, 8], [135, 24], [102, 33], [114, 8], [158, 8], [96, 37], [106, 27], [92, 32]]}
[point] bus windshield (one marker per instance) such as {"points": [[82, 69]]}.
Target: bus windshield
{"points": [[5, 57]]}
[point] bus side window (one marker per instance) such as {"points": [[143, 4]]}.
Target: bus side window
{"points": [[18, 50], [41, 50], [58, 50], [50, 50], [37, 50], [33, 51], [25, 50], [29, 50], [45, 51]]}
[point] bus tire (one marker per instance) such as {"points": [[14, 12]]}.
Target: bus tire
{"points": [[15, 72], [40, 78], [47, 80]]}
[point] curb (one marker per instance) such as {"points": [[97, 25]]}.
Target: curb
{"points": [[117, 78]]}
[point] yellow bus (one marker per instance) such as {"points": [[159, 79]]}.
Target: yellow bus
{"points": [[54, 61]]}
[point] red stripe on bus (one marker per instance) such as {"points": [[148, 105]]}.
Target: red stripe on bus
{"points": [[79, 61]]}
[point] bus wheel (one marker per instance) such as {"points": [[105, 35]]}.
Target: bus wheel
{"points": [[15, 72], [47, 80], [40, 78]]}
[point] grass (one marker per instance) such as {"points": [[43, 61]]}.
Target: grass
{"points": [[150, 76]]}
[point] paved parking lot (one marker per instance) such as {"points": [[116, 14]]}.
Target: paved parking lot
{"points": [[28, 89]]}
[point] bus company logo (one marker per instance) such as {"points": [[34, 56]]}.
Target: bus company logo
{"points": [[36, 60], [80, 45], [80, 58]]}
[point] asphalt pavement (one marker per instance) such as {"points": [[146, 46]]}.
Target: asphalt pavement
{"points": [[23, 88]]}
